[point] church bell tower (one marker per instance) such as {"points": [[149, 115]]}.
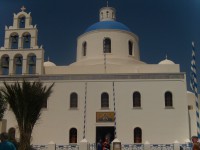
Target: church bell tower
{"points": [[21, 54]]}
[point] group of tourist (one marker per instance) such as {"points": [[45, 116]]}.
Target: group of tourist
{"points": [[5, 143], [103, 145]]}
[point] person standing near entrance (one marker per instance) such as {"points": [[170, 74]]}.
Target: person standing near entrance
{"points": [[5, 144], [196, 144], [99, 145], [106, 144]]}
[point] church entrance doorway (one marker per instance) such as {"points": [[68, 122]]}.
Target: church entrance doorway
{"points": [[104, 132]]}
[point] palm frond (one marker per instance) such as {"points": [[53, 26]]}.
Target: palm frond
{"points": [[26, 101]]}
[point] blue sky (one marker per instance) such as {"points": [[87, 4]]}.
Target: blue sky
{"points": [[163, 26]]}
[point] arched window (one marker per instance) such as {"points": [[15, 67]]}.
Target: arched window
{"points": [[104, 100], [5, 64], [18, 61], [26, 40], [107, 13], [136, 99], [22, 20], [130, 47], [14, 38], [168, 99], [84, 48], [31, 64], [137, 135], [107, 45], [101, 15], [73, 135], [73, 100]]}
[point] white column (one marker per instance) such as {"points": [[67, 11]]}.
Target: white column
{"points": [[39, 62], [7, 42], [20, 43], [15, 21], [176, 145], [116, 144], [51, 146], [84, 145], [11, 66], [24, 66], [147, 145], [27, 19]]}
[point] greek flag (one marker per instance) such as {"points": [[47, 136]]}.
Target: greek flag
{"points": [[193, 85]]}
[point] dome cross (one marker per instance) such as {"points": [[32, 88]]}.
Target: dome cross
{"points": [[23, 8]]}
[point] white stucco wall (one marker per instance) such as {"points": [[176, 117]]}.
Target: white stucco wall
{"points": [[158, 124], [192, 113], [119, 44]]}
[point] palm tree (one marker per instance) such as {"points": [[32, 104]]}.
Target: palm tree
{"points": [[2, 107], [26, 100]]}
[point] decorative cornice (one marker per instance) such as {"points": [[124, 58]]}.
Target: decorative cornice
{"points": [[79, 77]]}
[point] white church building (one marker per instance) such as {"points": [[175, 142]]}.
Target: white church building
{"points": [[107, 92]]}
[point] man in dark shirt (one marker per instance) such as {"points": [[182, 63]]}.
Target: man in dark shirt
{"points": [[5, 144]]}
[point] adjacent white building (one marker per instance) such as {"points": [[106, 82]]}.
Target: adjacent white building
{"points": [[107, 91]]}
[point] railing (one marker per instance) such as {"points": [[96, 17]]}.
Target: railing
{"points": [[162, 147], [124, 147], [132, 146], [155, 147], [67, 147], [58, 147], [40, 147], [186, 146], [92, 146]]}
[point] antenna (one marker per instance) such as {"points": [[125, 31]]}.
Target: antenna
{"points": [[107, 3]]}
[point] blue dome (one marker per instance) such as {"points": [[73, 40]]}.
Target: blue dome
{"points": [[108, 25]]}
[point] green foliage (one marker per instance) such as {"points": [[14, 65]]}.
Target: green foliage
{"points": [[2, 106], [26, 101]]}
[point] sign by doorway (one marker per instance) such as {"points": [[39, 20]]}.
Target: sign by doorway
{"points": [[104, 116]]}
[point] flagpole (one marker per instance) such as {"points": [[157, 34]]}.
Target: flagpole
{"points": [[193, 84]]}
